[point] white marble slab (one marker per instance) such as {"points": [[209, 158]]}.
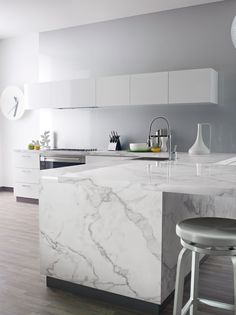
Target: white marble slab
{"points": [[103, 237], [112, 226], [164, 176]]}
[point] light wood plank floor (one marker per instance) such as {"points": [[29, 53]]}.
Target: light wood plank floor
{"points": [[23, 290]]}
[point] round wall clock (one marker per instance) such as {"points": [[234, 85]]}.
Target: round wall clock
{"points": [[12, 103]]}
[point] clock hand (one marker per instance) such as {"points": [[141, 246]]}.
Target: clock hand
{"points": [[11, 109], [16, 106]]}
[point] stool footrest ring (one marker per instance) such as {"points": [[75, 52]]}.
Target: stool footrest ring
{"points": [[208, 250], [187, 307], [224, 306], [212, 303]]}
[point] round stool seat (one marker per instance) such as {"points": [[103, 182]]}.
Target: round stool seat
{"points": [[218, 232]]}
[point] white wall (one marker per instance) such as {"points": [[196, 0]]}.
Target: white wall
{"points": [[1, 153], [18, 64]]}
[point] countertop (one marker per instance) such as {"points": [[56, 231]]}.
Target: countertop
{"points": [[110, 224], [122, 153], [195, 175]]}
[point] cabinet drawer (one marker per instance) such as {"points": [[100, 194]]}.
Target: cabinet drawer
{"points": [[27, 160], [26, 190], [27, 175]]}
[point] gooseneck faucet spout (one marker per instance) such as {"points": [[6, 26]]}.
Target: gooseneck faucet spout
{"points": [[168, 133]]}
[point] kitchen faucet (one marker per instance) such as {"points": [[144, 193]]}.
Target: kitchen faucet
{"points": [[168, 135]]}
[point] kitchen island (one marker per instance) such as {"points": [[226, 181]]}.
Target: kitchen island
{"points": [[111, 226]]}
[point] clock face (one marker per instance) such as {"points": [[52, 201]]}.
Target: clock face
{"points": [[12, 103]]}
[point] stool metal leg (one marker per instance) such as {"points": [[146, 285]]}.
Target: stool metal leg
{"points": [[179, 285], [194, 283], [234, 269]]}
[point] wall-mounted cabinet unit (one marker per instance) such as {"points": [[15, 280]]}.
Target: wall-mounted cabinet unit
{"points": [[175, 87], [193, 86], [60, 94], [149, 88], [113, 91]]}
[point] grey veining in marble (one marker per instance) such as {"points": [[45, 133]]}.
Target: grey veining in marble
{"points": [[112, 227], [113, 244]]}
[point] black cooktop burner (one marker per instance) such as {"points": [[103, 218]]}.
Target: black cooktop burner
{"points": [[84, 150]]}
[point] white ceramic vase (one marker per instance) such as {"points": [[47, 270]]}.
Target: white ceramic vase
{"points": [[199, 147]]}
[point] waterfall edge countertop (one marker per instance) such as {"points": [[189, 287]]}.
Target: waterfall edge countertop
{"points": [[188, 174], [110, 225]]}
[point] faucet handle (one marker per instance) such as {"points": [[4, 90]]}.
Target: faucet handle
{"points": [[173, 154]]}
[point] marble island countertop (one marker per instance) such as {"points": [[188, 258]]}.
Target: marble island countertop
{"points": [[110, 224], [198, 175]]}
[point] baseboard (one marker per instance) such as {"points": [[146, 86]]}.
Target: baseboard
{"points": [[27, 200], [4, 188], [107, 297], [20, 199]]}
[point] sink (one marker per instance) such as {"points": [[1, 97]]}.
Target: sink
{"points": [[150, 158]]}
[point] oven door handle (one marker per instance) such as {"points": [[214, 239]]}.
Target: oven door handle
{"points": [[63, 159]]}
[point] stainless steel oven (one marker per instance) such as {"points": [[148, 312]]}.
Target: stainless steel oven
{"points": [[55, 161]]}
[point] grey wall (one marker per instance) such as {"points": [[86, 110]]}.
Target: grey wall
{"points": [[194, 37]]}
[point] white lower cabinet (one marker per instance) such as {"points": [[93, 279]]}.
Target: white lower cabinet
{"points": [[26, 190], [27, 174], [27, 160]]}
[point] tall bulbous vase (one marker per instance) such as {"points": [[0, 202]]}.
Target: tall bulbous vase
{"points": [[199, 147]]}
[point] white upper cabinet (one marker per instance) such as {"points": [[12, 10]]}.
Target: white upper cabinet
{"points": [[149, 88], [82, 93], [112, 91], [46, 95], [60, 94], [175, 87], [193, 86]]}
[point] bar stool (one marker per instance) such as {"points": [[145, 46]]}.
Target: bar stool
{"points": [[207, 236]]}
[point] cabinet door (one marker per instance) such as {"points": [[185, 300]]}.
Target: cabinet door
{"points": [[149, 88], [47, 95], [193, 86], [112, 91], [82, 93], [61, 94]]}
